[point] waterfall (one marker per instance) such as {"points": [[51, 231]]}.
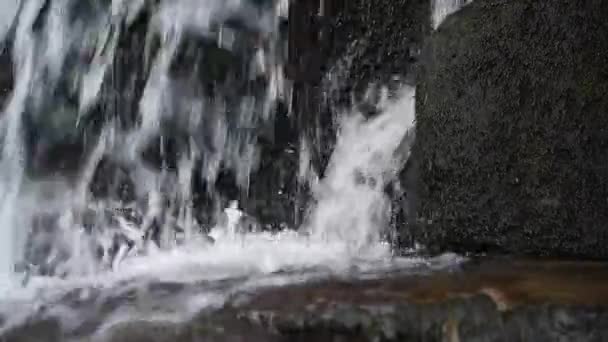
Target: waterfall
{"points": [[122, 105], [12, 150], [351, 204], [131, 135], [441, 9], [125, 117]]}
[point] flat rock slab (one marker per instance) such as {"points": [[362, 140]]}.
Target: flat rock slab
{"points": [[480, 300], [509, 283], [495, 300]]}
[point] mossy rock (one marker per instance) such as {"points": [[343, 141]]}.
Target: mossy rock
{"points": [[512, 131]]}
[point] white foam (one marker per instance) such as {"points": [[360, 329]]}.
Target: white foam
{"points": [[256, 260], [40, 60], [441, 9], [351, 203]]}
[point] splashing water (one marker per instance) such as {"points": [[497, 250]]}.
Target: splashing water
{"points": [[342, 236], [67, 93], [149, 95], [351, 203], [441, 9]]}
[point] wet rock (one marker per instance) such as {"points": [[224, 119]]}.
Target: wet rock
{"points": [[112, 181], [391, 322], [218, 327], [37, 330], [481, 300], [273, 192], [512, 131], [453, 306], [375, 44], [143, 331], [6, 74]]}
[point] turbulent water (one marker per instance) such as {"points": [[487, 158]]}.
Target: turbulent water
{"points": [[126, 89], [67, 55], [443, 8]]}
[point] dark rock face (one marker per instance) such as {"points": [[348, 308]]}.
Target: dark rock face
{"points": [[6, 74], [375, 43], [512, 132], [467, 319], [355, 43]]}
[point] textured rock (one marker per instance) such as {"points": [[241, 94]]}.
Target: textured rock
{"points": [[486, 301], [468, 319], [481, 300], [38, 330], [220, 327], [512, 132], [375, 43]]}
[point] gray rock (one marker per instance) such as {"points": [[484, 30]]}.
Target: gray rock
{"points": [[512, 130]]}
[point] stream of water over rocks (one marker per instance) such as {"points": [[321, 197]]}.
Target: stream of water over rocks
{"points": [[165, 177], [130, 141], [143, 145]]}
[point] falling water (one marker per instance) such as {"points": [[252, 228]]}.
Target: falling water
{"points": [[67, 53], [351, 202], [441, 9], [8, 9], [128, 82]]}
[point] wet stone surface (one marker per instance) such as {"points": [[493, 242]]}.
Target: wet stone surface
{"points": [[511, 130], [481, 300]]}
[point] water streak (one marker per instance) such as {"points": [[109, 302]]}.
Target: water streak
{"points": [[351, 202], [441, 9]]}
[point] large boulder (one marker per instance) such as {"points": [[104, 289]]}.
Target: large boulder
{"points": [[512, 130]]}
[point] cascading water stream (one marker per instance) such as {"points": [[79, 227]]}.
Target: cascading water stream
{"points": [[441, 9], [157, 96], [351, 203], [66, 53]]}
